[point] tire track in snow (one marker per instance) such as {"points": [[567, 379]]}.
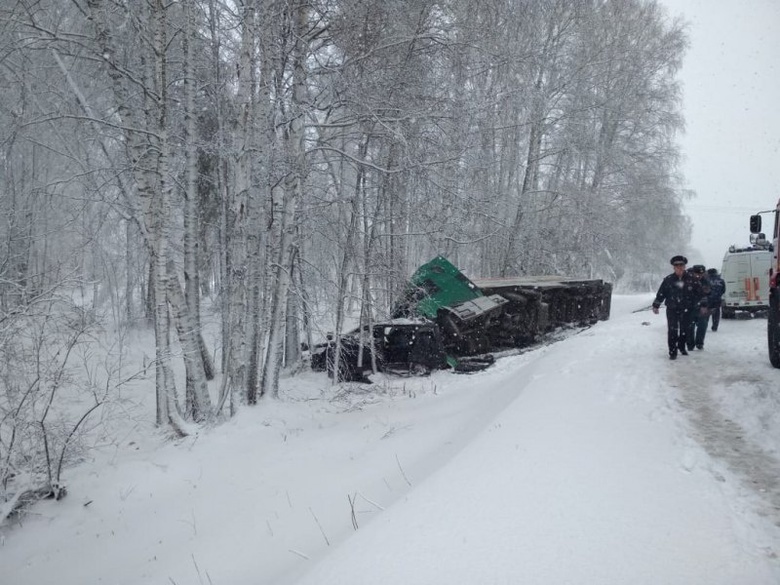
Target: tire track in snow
{"points": [[726, 441]]}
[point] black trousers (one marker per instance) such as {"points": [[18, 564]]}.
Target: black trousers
{"points": [[715, 312], [678, 323], [698, 328]]}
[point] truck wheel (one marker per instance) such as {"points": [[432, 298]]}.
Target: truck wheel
{"points": [[773, 333], [727, 313]]}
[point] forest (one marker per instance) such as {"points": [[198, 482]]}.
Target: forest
{"points": [[286, 165]]}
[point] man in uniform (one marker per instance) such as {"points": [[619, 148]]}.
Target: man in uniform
{"points": [[700, 313], [715, 298], [679, 291]]}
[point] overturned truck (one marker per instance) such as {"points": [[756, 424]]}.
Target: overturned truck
{"points": [[444, 319]]}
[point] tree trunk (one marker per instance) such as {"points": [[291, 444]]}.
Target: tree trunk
{"points": [[197, 399], [292, 193], [240, 329], [191, 222]]}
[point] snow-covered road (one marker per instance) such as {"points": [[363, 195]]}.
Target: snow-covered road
{"points": [[613, 465]]}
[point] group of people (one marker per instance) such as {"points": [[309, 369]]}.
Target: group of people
{"points": [[692, 296]]}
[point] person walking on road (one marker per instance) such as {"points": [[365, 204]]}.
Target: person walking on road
{"points": [[715, 298], [679, 291], [700, 313]]}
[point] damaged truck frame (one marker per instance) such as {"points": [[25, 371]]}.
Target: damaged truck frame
{"points": [[444, 319]]}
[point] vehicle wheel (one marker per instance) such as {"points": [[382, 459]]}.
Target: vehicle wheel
{"points": [[727, 313], [773, 332]]}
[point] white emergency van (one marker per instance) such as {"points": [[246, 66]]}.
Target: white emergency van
{"points": [[746, 274]]}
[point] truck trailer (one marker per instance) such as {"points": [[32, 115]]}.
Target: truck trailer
{"points": [[446, 320]]}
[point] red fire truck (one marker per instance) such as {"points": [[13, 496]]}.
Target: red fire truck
{"points": [[773, 314]]}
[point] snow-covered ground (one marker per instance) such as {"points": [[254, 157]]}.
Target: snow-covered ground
{"points": [[595, 461]]}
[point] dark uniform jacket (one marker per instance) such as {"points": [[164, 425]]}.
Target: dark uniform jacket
{"points": [[704, 291], [681, 293], [717, 290]]}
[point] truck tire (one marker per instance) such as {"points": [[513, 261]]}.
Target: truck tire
{"points": [[773, 331]]}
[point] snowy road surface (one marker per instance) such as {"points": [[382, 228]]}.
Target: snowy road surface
{"points": [[613, 465]]}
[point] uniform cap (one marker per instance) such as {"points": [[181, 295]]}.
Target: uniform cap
{"points": [[699, 269], [712, 271], [678, 260]]}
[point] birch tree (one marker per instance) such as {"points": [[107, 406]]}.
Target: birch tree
{"points": [[146, 133], [285, 202]]}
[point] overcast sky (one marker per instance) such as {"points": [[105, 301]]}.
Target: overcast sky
{"points": [[731, 146]]}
